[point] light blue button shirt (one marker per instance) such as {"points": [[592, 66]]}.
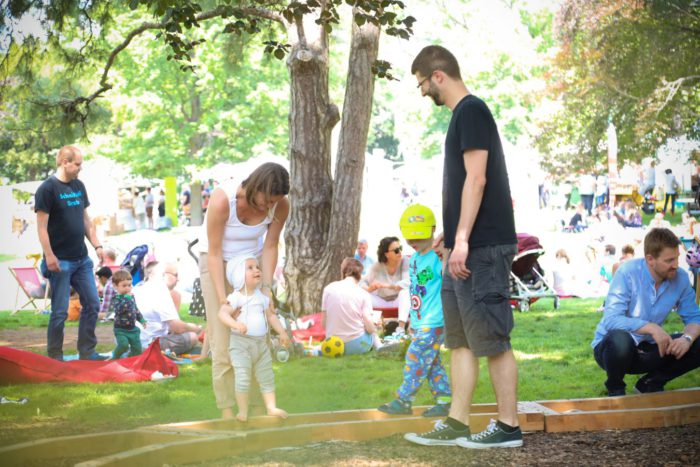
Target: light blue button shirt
{"points": [[633, 301], [366, 263]]}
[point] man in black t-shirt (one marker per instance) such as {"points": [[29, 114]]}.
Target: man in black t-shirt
{"points": [[63, 223], [479, 233]]}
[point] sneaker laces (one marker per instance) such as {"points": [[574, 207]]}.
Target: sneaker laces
{"points": [[490, 429], [438, 425]]}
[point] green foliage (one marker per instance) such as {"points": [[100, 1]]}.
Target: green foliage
{"points": [[235, 99], [632, 63], [203, 104], [555, 361], [382, 130]]}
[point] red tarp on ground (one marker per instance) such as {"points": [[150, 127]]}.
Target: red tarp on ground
{"points": [[21, 367], [316, 331]]}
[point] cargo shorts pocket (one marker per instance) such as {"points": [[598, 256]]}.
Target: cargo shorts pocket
{"points": [[491, 290]]}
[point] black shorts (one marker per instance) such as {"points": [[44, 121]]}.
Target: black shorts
{"points": [[477, 310]]}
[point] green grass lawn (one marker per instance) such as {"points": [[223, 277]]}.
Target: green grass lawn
{"points": [[552, 348]]}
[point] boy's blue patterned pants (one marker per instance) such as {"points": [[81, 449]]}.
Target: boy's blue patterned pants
{"points": [[423, 361]]}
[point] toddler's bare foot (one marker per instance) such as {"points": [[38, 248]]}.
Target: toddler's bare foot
{"points": [[227, 413], [242, 417], [275, 412]]}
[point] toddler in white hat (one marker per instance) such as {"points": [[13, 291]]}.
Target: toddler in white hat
{"points": [[248, 342]]}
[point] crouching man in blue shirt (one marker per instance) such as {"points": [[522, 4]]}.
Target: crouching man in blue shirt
{"points": [[629, 338]]}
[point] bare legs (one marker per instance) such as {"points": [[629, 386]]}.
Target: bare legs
{"points": [[270, 406], [504, 378], [464, 372]]}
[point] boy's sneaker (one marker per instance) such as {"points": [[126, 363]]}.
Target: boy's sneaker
{"points": [[493, 437], [397, 407], [442, 435], [438, 410]]}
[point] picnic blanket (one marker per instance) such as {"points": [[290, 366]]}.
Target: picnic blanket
{"points": [[21, 367], [311, 327]]}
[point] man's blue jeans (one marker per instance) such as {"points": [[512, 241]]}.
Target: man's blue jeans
{"points": [[77, 274]]}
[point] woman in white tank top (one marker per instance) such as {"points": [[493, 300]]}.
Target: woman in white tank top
{"points": [[242, 219]]}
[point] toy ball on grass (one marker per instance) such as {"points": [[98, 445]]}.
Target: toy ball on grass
{"points": [[333, 347]]}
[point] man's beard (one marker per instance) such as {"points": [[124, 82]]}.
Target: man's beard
{"points": [[436, 98], [434, 94]]}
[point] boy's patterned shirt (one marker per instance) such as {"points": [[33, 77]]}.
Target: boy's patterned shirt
{"points": [[125, 312]]}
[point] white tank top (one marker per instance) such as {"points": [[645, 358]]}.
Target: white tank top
{"points": [[239, 238]]}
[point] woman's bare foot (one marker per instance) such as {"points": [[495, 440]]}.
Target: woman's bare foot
{"points": [[275, 412], [242, 417], [227, 413]]}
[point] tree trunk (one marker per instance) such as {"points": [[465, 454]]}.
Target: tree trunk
{"points": [[325, 214]]}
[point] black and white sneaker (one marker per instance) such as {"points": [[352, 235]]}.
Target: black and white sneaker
{"points": [[442, 435], [493, 437]]}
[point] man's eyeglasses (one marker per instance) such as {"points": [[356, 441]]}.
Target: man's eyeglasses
{"points": [[420, 84], [397, 250]]}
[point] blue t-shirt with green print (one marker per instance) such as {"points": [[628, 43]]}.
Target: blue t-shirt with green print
{"points": [[425, 271]]}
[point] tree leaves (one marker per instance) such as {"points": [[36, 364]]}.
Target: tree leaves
{"points": [[634, 63]]}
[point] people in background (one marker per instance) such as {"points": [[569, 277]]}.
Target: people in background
{"points": [[671, 188], [103, 276], [156, 305], [126, 313], [387, 280], [63, 224], [362, 256], [347, 310], [150, 202]]}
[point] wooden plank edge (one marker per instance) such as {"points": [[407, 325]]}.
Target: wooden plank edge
{"points": [[623, 419], [214, 447], [632, 401], [309, 417], [87, 445]]}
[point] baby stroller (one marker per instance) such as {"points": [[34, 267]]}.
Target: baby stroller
{"points": [[197, 303], [134, 263], [527, 282]]}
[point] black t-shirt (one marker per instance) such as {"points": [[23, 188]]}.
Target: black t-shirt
{"points": [[65, 204], [472, 127]]}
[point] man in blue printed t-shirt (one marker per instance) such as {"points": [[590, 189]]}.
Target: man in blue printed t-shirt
{"points": [[629, 338], [63, 223]]}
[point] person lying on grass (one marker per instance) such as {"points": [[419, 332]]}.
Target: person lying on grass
{"points": [[248, 313]]}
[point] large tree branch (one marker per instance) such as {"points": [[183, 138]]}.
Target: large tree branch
{"points": [[671, 88], [73, 104], [609, 84]]}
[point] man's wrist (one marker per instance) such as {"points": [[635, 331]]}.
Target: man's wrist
{"points": [[98, 247], [688, 337]]}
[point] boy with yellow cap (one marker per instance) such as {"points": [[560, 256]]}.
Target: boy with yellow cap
{"points": [[423, 355]]}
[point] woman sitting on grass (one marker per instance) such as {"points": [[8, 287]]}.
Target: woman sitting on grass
{"points": [[347, 310]]}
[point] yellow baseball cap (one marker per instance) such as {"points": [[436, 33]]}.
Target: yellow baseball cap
{"points": [[417, 222]]}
